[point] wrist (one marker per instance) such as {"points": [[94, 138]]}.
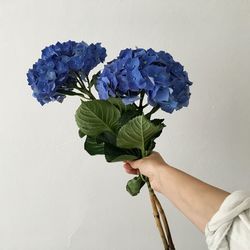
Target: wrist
{"points": [[163, 175]]}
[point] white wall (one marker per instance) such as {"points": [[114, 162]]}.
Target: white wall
{"points": [[53, 195]]}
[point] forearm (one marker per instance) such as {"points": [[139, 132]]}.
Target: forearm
{"points": [[197, 200]]}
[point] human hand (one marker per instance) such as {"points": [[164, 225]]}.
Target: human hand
{"points": [[150, 166]]}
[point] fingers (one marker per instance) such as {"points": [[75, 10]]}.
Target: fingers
{"points": [[135, 164], [129, 169], [145, 165]]}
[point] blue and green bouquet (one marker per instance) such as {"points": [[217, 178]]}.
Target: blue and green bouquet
{"points": [[118, 123]]}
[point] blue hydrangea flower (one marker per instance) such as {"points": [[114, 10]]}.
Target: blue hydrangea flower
{"points": [[53, 72], [156, 74]]}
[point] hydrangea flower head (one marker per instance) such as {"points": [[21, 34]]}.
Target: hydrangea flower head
{"points": [[53, 72], [156, 74]]}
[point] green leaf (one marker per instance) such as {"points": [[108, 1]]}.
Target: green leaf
{"points": [[128, 115], [158, 122], [106, 137], [97, 116], [117, 102], [81, 134], [151, 144], [114, 154], [149, 147], [137, 133], [111, 158], [92, 147], [134, 185]]}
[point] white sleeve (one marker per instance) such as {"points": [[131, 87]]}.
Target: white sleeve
{"points": [[229, 228]]}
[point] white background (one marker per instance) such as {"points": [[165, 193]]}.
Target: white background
{"points": [[53, 195]]}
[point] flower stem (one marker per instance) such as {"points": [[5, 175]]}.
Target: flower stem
{"points": [[141, 101], [84, 89], [81, 90], [67, 92], [165, 223], [152, 111], [157, 217], [88, 81]]}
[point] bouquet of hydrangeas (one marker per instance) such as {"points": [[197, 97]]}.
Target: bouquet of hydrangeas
{"points": [[118, 124]]}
